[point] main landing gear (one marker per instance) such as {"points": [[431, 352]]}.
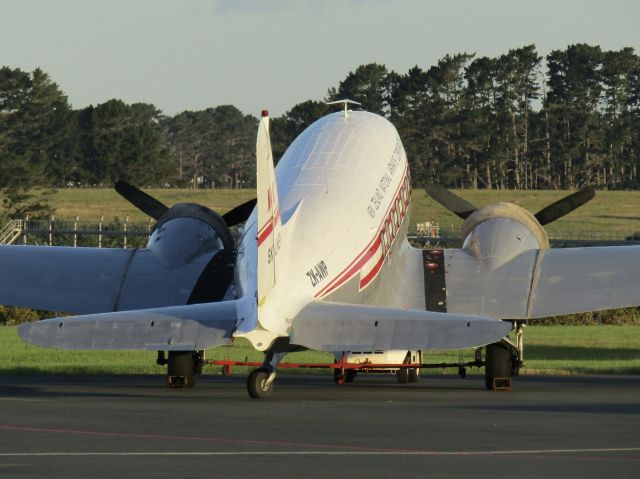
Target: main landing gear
{"points": [[260, 381], [182, 367], [410, 375], [503, 360]]}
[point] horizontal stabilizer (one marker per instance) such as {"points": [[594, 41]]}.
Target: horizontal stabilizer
{"points": [[177, 328], [347, 327]]}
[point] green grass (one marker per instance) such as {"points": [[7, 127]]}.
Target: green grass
{"points": [[92, 203], [548, 349], [582, 349], [610, 210]]}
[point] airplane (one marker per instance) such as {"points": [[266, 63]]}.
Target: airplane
{"points": [[321, 262]]}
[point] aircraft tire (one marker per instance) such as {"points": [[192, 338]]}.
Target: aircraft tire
{"points": [[350, 375], [256, 384], [402, 376], [414, 375], [181, 369], [498, 364]]}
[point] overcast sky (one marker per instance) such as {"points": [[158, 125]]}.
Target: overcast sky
{"points": [[194, 54]]}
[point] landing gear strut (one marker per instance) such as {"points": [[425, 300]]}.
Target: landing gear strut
{"points": [[260, 381]]}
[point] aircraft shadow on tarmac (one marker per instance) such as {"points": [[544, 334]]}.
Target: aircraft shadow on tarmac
{"points": [[566, 408]]}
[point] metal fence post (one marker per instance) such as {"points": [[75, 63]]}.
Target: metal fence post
{"points": [[24, 230], [126, 220], [75, 232], [51, 230], [100, 232]]}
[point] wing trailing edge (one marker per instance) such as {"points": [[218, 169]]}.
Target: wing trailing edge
{"points": [[329, 326], [177, 328]]}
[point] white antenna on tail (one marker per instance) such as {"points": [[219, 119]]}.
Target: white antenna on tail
{"points": [[346, 103]]}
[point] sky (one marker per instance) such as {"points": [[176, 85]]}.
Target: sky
{"points": [[273, 54]]}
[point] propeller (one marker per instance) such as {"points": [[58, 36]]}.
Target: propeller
{"points": [[558, 209], [156, 209], [240, 213], [138, 198], [450, 201], [565, 205]]}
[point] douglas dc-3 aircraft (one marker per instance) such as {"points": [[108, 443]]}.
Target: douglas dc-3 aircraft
{"points": [[322, 262]]}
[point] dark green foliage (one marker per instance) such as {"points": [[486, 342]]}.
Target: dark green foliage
{"points": [[213, 148], [34, 133], [119, 141], [368, 85], [10, 316], [623, 316], [514, 121]]}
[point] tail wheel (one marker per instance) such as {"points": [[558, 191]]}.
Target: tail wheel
{"points": [[257, 384], [498, 363], [181, 369]]}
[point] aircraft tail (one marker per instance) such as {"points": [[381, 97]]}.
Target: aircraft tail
{"points": [[269, 221]]}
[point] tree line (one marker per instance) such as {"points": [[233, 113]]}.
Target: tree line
{"points": [[508, 122], [512, 121]]}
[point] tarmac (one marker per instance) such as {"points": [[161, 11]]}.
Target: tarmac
{"points": [[443, 426]]}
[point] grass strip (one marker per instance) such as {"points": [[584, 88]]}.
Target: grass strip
{"points": [[548, 349]]}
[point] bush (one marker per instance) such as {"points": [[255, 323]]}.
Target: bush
{"points": [[11, 316], [622, 316]]}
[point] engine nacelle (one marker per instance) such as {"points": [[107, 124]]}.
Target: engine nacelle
{"points": [[188, 231], [499, 232]]}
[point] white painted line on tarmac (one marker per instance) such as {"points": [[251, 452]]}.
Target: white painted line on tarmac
{"points": [[325, 453], [20, 399]]}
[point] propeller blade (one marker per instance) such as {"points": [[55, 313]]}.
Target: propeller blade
{"points": [[138, 198], [565, 205], [450, 201], [240, 213]]}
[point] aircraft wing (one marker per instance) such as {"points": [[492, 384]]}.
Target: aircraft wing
{"points": [[330, 326], [93, 280], [540, 283], [177, 328]]}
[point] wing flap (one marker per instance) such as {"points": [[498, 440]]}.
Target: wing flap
{"points": [[329, 326], [574, 280], [473, 288], [541, 283], [176, 328]]}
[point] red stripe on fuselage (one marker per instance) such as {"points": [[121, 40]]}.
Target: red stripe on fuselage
{"points": [[360, 261], [362, 258], [371, 274]]}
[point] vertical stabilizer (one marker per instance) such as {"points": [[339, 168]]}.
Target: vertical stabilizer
{"points": [[269, 224]]}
